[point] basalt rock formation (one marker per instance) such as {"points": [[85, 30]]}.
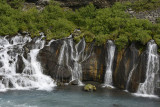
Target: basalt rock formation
{"points": [[125, 61], [26, 62]]}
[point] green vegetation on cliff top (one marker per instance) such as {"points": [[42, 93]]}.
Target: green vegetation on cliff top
{"points": [[99, 24], [144, 5]]}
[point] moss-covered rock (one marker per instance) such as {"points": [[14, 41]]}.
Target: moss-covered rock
{"points": [[89, 87], [60, 83]]}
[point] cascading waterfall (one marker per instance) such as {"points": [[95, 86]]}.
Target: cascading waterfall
{"points": [[61, 59], [32, 75], [109, 63], [152, 68], [130, 75], [75, 54]]}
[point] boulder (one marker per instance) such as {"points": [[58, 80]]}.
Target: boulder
{"points": [[74, 82], [60, 83], [89, 87]]}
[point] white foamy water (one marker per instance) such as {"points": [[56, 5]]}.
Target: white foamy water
{"points": [[130, 75], [75, 54], [147, 88], [50, 42], [145, 95], [109, 63], [32, 75]]}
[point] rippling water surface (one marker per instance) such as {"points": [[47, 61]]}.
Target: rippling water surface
{"points": [[73, 96]]}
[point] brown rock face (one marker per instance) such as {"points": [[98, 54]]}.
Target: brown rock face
{"points": [[93, 67], [125, 60], [48, 57], [92, 61], [138, 75]]}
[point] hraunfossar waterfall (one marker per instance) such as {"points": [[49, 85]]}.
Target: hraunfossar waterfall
{"points": [[79, 53], [36, 66]]}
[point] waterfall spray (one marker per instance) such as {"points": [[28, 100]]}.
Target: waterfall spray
{"points": [[109, 63], [152, 68], [32, 75]]}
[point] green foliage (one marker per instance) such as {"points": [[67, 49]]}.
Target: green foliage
{"points": [[142, 5], [8, 24], [88, 36], [113, 23], [121, 42], [157, 39], [158, 20], [16, 3], [51, 21], [99, 24], [101, 39]]}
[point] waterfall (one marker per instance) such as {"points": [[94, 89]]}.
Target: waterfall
{"points": [[130, 75], [61, 59], [76, 55], [152, 68], [72, 55], [109, 63], [32, 74]]}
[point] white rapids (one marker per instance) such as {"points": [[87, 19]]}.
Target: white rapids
{"points": [[31, 77], [109, 63], [147, 88]]}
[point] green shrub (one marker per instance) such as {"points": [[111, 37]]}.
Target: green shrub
{"points": [[157, 39], [101, 39], [143, 5], [99, 24], [16, 3], [121, 42]]}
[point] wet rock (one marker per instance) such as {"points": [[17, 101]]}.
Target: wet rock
{"points": [[74, 82], [1, 64], [49, 57], [7, 82], [157, 83], [93, 66], [139, 73], [157, 91], [58, 59], [60, 83], [20, 64], [1, 77], [125, 61], [89, 87]]}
